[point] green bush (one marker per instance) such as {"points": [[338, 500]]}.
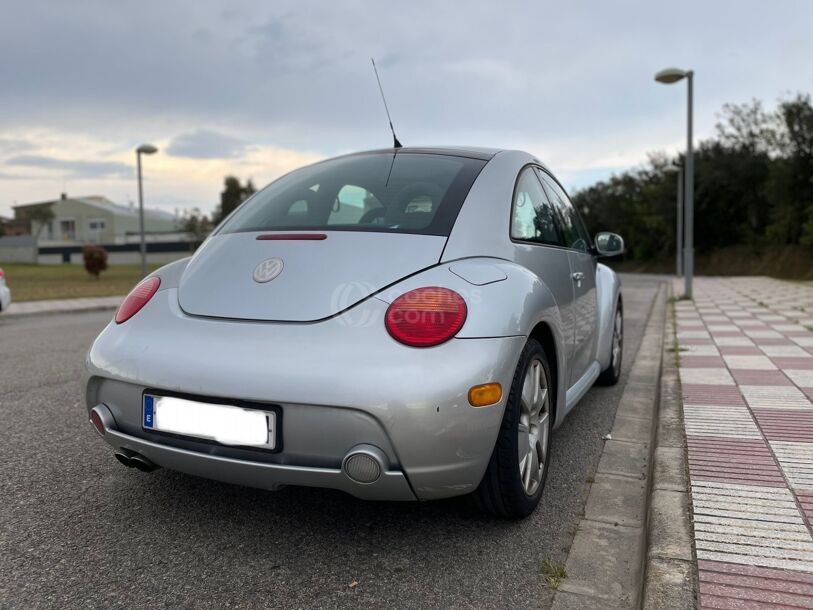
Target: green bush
{"points": [[95, 259]]}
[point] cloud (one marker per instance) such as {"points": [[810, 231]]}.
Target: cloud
{"points": [[205, 144], [74, 168], [216, 87], [10, 146]]}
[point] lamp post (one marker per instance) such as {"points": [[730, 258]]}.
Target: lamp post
{"points": [[144, 149], [668, 77], [678, 170]]}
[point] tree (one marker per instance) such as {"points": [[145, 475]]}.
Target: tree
{"points": [[41, 215], [232, 196], [197, 225], [753, 186], [95, 259]]}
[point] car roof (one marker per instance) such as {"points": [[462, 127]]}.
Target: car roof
{"points": [[475, 152]]}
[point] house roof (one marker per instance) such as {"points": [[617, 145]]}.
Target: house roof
{"points": [[102, 203]]}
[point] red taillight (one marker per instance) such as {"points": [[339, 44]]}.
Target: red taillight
{"points": [[138, 297], [292, 237], [426, 316], [2, 274]]}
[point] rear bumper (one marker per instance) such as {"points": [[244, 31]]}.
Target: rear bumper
{"points": [[389, 486], [339, 383]]}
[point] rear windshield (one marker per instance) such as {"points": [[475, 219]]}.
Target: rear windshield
{"points": [[400, 193]]}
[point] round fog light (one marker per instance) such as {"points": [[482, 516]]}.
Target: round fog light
{"points": [[362, 468]]}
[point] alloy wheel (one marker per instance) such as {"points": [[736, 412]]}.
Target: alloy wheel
{"points": [[534, 427]]}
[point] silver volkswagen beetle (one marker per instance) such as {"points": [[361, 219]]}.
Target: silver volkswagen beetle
{"points": [[403, 324]]}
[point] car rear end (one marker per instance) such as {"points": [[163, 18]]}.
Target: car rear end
{"points": [[289, 321], [5, 292]]}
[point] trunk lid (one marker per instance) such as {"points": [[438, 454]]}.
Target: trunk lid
{"points": [[318, 279]]}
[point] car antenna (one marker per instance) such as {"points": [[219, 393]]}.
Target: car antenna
{"points": [[396, 143]]}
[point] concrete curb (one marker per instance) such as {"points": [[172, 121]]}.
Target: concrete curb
{"points": [[671, 577], [605, 567], [26, 309]]}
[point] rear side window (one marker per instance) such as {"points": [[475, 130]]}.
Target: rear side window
{"points": [[400, 193], [532, 216], [576, 236]]}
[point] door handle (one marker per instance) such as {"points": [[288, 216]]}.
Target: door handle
{"points": [[577, 276]]}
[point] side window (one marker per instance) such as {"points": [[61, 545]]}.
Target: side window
{"points": [[532, 217], [576, 236]]}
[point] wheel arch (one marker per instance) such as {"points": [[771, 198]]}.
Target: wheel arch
{"points": [[543, 333], [608, 294]]}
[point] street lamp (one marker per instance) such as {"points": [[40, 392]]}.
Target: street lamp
{"points": [[677, 169], [668, 77], [144, 149]]}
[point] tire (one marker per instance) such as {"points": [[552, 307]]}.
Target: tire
{"points": [[507, 488], [612, 373]]}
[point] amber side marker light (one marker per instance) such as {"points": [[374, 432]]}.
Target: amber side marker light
{"points": [[485, 395]]}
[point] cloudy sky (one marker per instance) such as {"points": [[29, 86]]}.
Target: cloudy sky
{"points": [[256, 88]]}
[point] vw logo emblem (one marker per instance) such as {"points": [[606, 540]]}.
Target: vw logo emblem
{"points": [[268, 270]]}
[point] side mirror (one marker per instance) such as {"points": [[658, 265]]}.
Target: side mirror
{"points": [[609, 244]]}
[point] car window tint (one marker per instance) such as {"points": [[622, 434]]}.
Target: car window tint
{"points": [[532, 217], [575, 234]]}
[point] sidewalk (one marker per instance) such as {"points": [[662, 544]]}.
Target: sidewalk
{"points": [[27, 308], [746, 370]]}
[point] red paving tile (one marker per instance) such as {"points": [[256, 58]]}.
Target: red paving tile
{"points": [[756, 377], [702, 362], [779, 425], [808, 392], [728, 585], [712, 395], [790, 362], [772, 341], [695, 341], [732, 460], [727, 333]]}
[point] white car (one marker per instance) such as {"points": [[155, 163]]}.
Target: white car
{"points": [[5, 292]]}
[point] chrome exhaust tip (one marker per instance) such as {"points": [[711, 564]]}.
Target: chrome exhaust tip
{"points": [[131, 459], [123, 458]]}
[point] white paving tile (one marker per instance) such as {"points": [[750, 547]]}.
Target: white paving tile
{"points": [[789, 328], [802, 378], [758, 333], [750, 524], [733, 341], [775, 397], [751, 323], [709, 376], [755, 363], [796, 461], [693, 334], [723, 328], [803, 340], [785, 351], [734, 422], [700, 350]]}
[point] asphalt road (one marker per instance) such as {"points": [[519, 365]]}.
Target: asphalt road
{"points": [[79, 529]]}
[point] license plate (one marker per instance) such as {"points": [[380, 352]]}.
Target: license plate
{"points": [[225, 424]]}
